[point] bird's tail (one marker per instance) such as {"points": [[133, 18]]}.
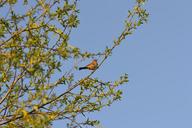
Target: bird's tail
{"points": [[82, 68]]}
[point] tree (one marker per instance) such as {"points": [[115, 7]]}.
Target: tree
{"points": [[34, 47]]}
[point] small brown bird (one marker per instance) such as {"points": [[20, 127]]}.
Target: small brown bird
{"points": [[92, 66]]}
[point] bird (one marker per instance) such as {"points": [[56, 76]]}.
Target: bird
{"points": [[92, 66]]}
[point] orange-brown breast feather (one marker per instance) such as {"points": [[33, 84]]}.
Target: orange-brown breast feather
{"points": [[93, 65]]}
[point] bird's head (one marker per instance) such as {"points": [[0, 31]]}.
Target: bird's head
{"points": [[95, 60]]}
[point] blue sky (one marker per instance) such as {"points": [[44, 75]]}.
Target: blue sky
{"points": [[157, 58]]}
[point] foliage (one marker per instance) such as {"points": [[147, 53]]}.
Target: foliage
{"points": [[34, 48]]}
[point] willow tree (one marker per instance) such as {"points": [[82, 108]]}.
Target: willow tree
{"points": [[34, 48]]}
